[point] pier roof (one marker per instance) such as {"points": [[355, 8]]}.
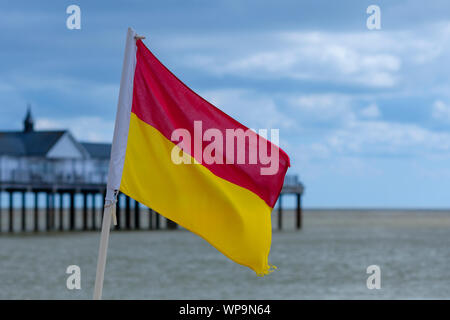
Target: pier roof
{"points": [[33, 143], [98, 150]]}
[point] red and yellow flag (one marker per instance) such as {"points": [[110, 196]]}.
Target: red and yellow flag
{"points": [[228, 202]]}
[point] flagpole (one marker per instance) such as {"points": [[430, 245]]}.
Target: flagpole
{"points": [[118, 149], [104, 239]]}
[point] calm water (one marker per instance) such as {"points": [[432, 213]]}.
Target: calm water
{"points": [[326, 260]]}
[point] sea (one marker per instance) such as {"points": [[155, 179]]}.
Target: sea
{"points": [[327, 259]]}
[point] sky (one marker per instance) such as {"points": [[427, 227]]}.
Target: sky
{"points": [[363, 114]]}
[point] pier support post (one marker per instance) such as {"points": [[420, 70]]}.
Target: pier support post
{"points": [[85, 226], [47, 211], [11, 212], [94, 212], [72, 211], [61, 211], [36, 211], [299, 211], [137, 221], [24, 221], [52, 210], [150, 218], [127, 213], [280, 212], [118, 217], [171, 225], [157, 218], [103, 206]]}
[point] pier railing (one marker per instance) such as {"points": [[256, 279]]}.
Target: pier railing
{"points": [[292, 184], [28, 176], [34, 178]]}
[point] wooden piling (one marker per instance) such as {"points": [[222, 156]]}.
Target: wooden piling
{"points": [[52, 210], [157, 218], [24, 222], [11, 212], [36, 211], [280, 212], [127, 213], [93, 212], [299, 211], [85, 211], [137, 221], [72, 211], [103, 206], [61, 211], [150, 219], [171, 225], [118, 217], [47, 211]]}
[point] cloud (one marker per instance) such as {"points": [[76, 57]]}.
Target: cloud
{"points": [[370, 112], [382, 138], [93, 129], [66, 85], [441, 111], [254, 110], [349, 130], [318, 56], [385, 60], [323, 109]]}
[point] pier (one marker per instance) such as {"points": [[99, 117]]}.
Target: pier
{"points": [[71, 177], [69, 206]]}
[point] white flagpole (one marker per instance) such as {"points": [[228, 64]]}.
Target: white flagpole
{"points": [[101, 263], [118, 149]]}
